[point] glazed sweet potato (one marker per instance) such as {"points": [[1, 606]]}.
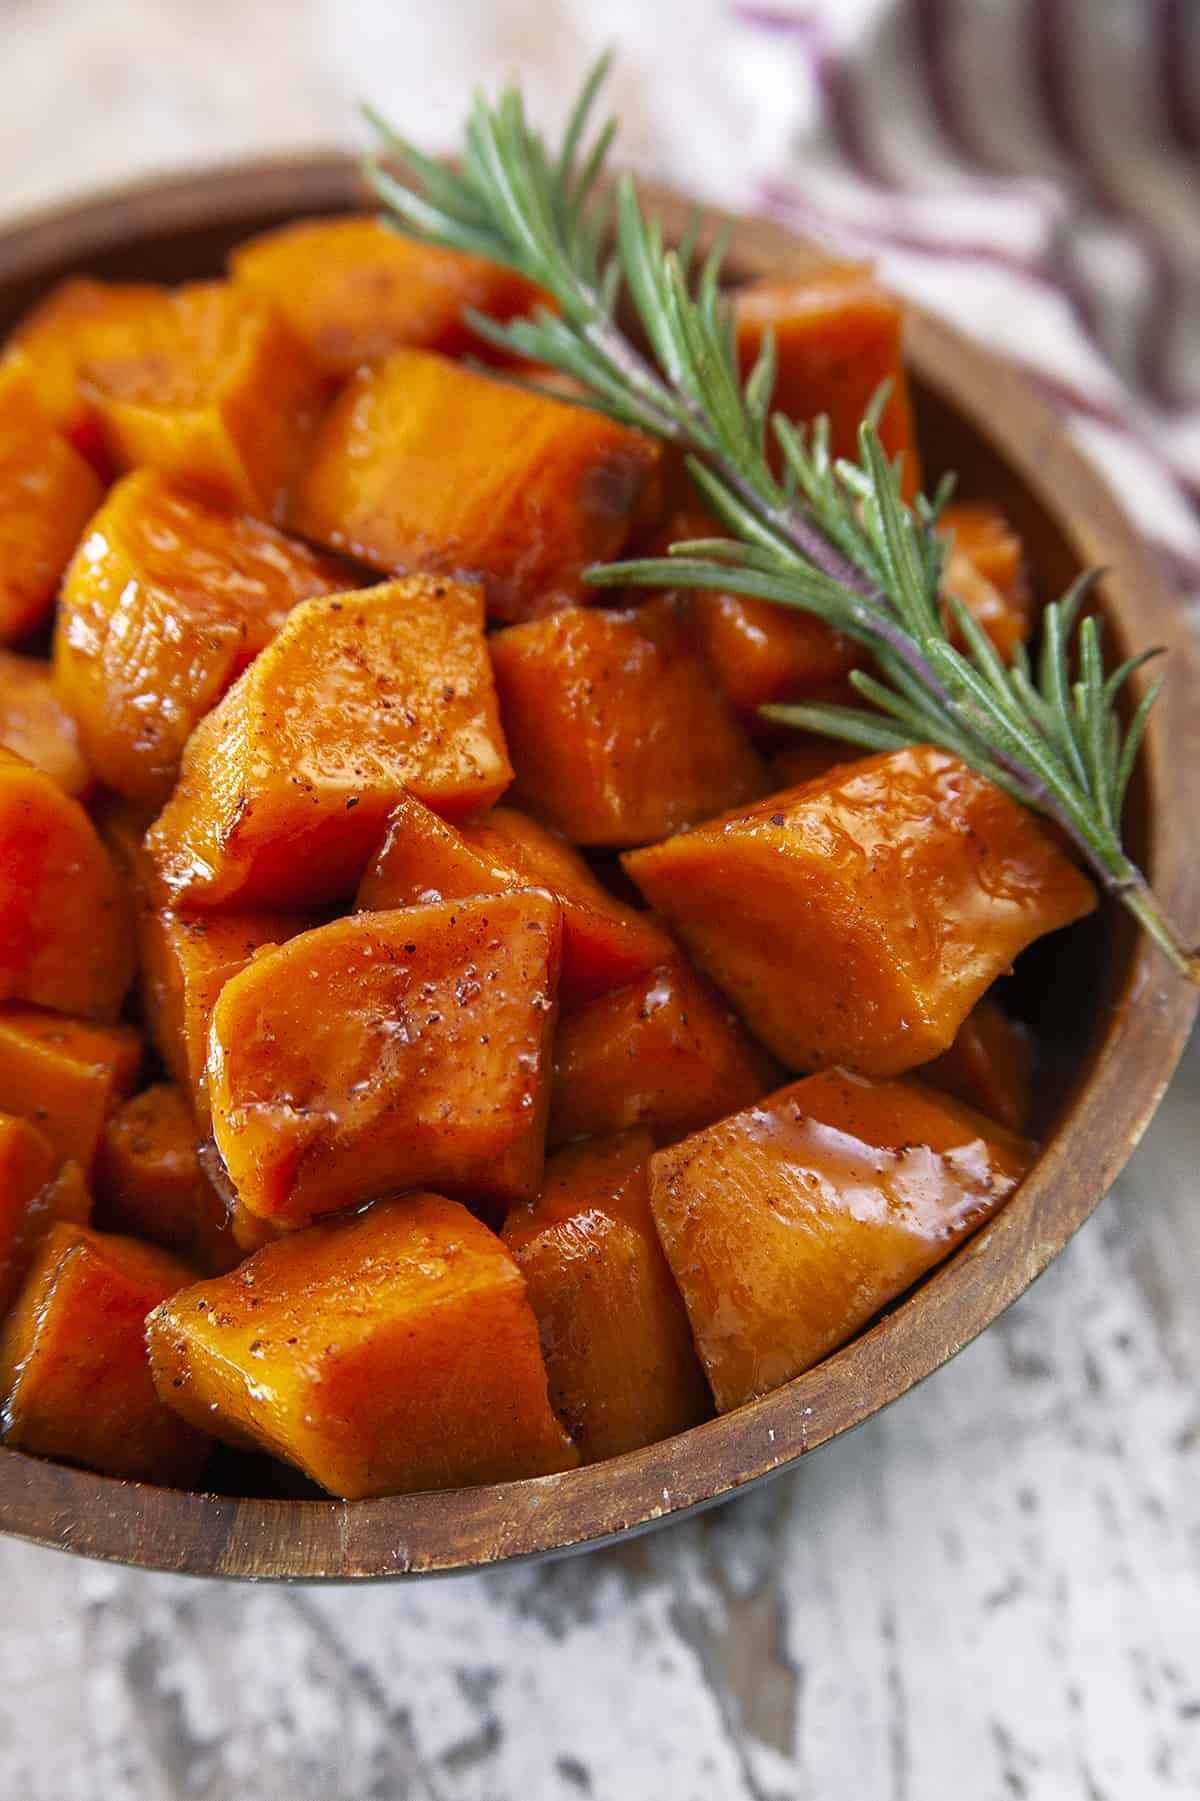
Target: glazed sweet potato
{"points": [[286, 786], [986, 571], [212, 387], [165, 603], [422, 464], [35, 724], [353, 290], [186, 959], [989, 1065], [617, 729], [47, 494], [837, 337], [65, 1075], [74, 1374], [27, 1163], [149, 1182], [388, 1051], [789, 1226], [391, 1351], [77, 320], [857, 919], [66, 933], [665, 1053], [618, 1349], [605, 943]]}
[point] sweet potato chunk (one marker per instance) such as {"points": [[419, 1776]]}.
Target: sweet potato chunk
{"points": [[989, 1065], [47, 494], [618, 1348], [286, 786], [387, 1051], [837, 337], [790, 1225], [66, 936], [187, 958], [79, 319], [213, 387], [421, 464], [857, 919], [665, 1053], [65, 1075], [605, 943], [74, 1373], [27, 1163], [617, 729], [391, 1351], [35, 724], [166, 601], [353, 290], [149, 1182], [986, 571]]}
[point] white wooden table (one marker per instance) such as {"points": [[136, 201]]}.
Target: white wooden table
{"points": [[991, 1592]]}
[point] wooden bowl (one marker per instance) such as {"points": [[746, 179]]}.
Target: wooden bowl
{"points": [[1114, 1017]]}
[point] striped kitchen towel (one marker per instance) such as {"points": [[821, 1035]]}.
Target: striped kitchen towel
{"points": [[1031, 170]]}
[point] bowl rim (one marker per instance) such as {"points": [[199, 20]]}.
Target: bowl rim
{"points": [[1139, 1045]]}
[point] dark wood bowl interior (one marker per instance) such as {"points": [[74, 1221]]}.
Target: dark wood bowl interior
{"points": [[1110, 1015]]}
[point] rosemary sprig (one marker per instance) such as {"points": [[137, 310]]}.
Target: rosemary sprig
{"points": [[826, 536]]}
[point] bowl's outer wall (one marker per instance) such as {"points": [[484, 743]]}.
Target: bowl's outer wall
{"points": [[1133, 1014]]}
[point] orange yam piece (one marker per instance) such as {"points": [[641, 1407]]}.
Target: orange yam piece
{"points": [[149, 1182], [353, 290], [617, 729], [665, 1053], [65, 1075], [615, 1336], [986, 571], [989, 1065], [837, 338], [166, 602], [858, 918], [187, 958], [36, 726], [388, 1352], [74, 1374], [605, 942], [422, 464], [388, 1051], [47, 494], [66, 935], [78, 319], [286, 786], [790, 1225], [213, 387], [27, 1163]]}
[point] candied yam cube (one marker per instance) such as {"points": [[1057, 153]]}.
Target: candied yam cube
{"points": [[74, 1373], [619, 1354], [666, 1053], [27, 1164], [617, 729], [149, 1182], [187, 958], [77, 319], [857, 919], [47, 494], [438, 1382], [65, 1075], [837, 338], [36, 726], [989, 1065], [66, 934], [353, 290], [212, 387], [166, 601], [286, 786], [421, 464], [790, 1225], [985, 570], [605, 942], [387, 1051]]}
